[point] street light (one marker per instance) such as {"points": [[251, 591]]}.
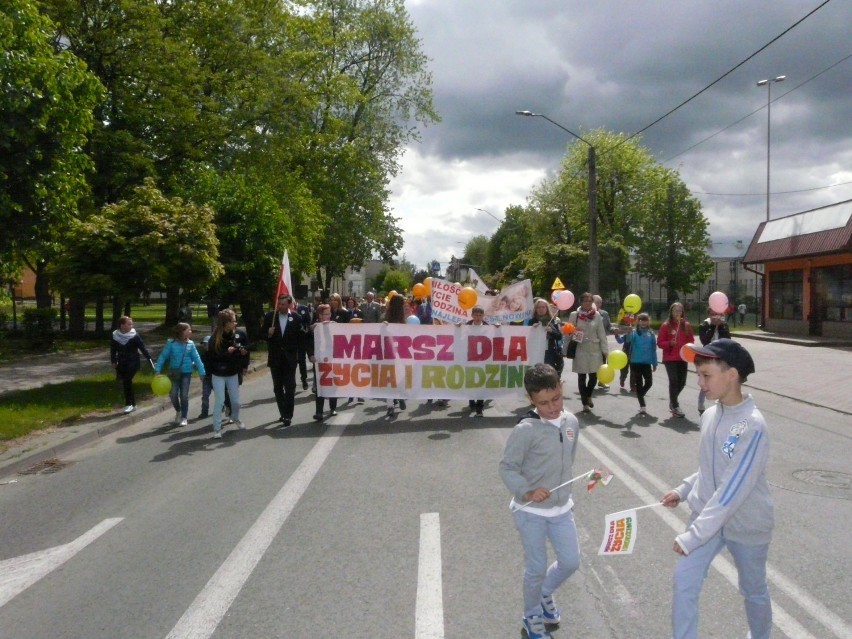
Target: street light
{"points": [[768, 84], [593, 201], [491, 214]]}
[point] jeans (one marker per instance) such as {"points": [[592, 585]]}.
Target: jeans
{"points": [[539, 578], [180, 394], [231, 384], [644, 378], [206, 389], [677, 380], [691, 570], [126, 378]]}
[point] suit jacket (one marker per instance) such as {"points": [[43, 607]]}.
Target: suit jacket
{"points": [[283, 347]]}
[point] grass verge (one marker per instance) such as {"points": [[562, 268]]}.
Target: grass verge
{"points": [[25, 412]]}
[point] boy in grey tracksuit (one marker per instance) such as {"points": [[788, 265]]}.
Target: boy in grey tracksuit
{"points": [[729, 495], [538, 457]]}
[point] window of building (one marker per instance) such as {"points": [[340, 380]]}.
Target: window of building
{"points": [[785, 294], [833, 292]]}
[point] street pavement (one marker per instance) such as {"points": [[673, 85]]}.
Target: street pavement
{"points": [[795, 368]]}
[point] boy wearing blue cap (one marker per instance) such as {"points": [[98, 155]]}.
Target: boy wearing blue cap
{"points": [[729, 495]]}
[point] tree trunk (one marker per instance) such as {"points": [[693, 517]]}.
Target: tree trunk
{"points": [[252, 318], [99, 315], [42, 286], [77, 318], [172, 305]]}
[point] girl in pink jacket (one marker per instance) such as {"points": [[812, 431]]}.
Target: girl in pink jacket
{"points": [[673, 334]]}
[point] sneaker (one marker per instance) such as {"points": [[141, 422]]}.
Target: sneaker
{"points": [[642, 411], [227, 420], [203, 414], [333, 413], [478, 413], [317, 417], [217, 434], [177, 417], [533, 628], [304, 384], [360, 400], [677, 412], [701, 411], [402, 404], [549, 612], [240, 425], [389, 413], [184, 422], [129, 409], [587, 408], [591, 403]]}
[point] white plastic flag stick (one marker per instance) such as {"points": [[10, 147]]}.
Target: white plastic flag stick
{"points": [[570, 481], [627, 510]]}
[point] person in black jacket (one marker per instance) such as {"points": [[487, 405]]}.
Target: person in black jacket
{"points": [[282, 329], [713, 328], [228, 355], [124, 348]]}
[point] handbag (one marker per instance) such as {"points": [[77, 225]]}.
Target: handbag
{"points": [[571, 351]]}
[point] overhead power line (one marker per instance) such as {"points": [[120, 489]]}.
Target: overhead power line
{"points": [[726, 74], [816, 188], [745, 117]]}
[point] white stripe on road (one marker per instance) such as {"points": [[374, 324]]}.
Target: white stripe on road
{"points": [[19, 573], [429, 615], [212, 603], [781, 618]]}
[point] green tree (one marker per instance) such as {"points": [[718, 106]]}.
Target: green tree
{"points": [[46, 112], [505, 249], [476, 252], [671, 240], [395, 280], [138, 245]]}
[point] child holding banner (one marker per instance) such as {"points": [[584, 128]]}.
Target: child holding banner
{"points": [[729, 495], [539, 454]]}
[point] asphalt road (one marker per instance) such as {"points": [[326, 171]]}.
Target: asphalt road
{"points": [[376, 529]]}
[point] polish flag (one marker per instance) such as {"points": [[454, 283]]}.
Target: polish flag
{"points": [[285, 285]]}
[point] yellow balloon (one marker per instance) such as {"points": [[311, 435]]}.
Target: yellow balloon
{"points": [[428, 284], [616, 360], [161, 384], [391, 294], [606, 374], [633, 303], [418, 290]]}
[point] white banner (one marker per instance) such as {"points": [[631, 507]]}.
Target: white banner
{"points": [[424, 362], [513, 304]]}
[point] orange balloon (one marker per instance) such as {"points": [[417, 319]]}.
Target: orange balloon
{"points": [[418, 290], [568, 328], [687, 354], [428, 284], [467, 298]]}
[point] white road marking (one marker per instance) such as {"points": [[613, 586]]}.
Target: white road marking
{"points": [[19, 573], [780, 617], [212, 603], [429, 612]]}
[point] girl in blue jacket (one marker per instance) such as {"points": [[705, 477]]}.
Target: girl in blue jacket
{"points": [[643, 357], [182, 356]]}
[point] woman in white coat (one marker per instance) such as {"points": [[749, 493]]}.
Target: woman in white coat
{"points": [[590, 336]]}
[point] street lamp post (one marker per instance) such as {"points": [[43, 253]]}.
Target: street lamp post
{"points": [[593, 202], [768, 84]]}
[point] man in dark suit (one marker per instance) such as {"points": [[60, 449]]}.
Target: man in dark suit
{"points": [[304, 314], [282, 329]]}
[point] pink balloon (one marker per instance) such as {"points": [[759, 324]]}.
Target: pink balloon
{"points": [[565, 300], [718, 302]]}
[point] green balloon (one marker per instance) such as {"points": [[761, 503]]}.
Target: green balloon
{"points": [[632, 303], [161, 385]]}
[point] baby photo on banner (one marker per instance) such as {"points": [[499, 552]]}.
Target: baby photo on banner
{"points": [[513, 304]]}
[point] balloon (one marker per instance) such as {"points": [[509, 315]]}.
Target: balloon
{"points": [[391, 294], [467, 298], [161, 384], [418, 290], [411, 319], [633, 303], [687, 354], [565, 300], [568, 328], [606, 374], [718, 302], [428, 284], [616, 360]]}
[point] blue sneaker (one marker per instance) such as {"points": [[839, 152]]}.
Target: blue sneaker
{"points": [[534, 628], [549, 612]]}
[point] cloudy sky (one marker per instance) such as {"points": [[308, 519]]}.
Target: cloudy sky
{"points": [[621, 64]]}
